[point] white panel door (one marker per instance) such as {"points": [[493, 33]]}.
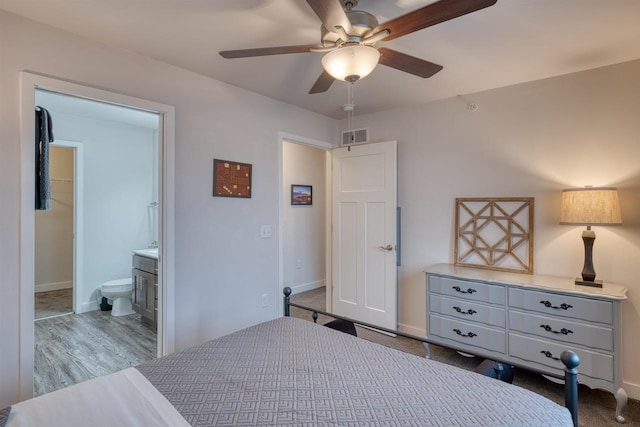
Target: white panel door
{"points": [[364, 233]]}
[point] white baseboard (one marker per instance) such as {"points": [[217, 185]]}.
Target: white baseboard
{"points": [[412, 330], [88, 306], [633, 390], [296, 289], [45, 287]]}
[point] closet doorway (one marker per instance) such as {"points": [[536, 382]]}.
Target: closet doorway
{"points": [[58, 254]]}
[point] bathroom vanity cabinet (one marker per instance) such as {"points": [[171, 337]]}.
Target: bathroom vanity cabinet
{"points": [[145, 288]]}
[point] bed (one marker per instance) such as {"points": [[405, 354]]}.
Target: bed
{"points": [[290, 371]]}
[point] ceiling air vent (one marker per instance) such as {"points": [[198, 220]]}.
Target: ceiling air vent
{"points": [[355, 136]]}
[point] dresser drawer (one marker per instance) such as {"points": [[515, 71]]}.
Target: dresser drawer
{"points": [[469, 334], [562, 305], [546, 353], [467, 289], [562, 330], [467, 310]]}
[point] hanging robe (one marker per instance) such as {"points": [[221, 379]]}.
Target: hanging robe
{"points": [[44, 136]]}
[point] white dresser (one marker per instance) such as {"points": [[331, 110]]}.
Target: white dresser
{"points": [[529, 320]]}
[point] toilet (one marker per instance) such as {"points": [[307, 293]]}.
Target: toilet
{"points": [[119, 291]]}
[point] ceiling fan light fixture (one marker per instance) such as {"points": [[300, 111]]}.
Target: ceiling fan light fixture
{"points": [[351, 63]]}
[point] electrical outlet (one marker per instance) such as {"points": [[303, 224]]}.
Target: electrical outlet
{"points": [[265, 232], [265, 300]]}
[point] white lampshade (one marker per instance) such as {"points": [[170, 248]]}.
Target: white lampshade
{"points": [[351, 63], [590, 206]]}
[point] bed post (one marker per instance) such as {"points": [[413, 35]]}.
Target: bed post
{"points": [[287, 300], [571, 362]]}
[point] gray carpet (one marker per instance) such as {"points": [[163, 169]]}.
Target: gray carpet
{"points": [[595, 407]]}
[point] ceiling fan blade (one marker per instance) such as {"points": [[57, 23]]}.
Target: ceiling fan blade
{"points": [[264, 51], [323, 83], [407, 63], [331, 14], [429, 15]]}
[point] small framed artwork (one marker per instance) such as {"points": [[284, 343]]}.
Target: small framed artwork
{"points": [[231, 179], [301, 194]]}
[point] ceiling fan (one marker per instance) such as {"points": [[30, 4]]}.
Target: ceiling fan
{"points": [[348, 37]]}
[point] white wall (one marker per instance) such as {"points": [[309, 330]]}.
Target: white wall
{"points": [[529, 140], [222, 266], [304, 226], [54, 227]]}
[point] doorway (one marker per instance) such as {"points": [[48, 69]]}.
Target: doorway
{"points": [[55, 246], [118, 212], [305, 248], [165, 207], [368, 290]]}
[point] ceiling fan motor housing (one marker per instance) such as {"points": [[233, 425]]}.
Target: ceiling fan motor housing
{"points": [[362, 23]]}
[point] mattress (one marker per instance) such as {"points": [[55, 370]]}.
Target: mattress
{"points": [[123, 399], [290, 371]]}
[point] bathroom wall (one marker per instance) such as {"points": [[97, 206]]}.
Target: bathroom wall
{"points": [[303, 226], [54, 228], [119, 163]]}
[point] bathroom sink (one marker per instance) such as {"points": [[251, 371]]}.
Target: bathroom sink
{"points": [[149, 253]]}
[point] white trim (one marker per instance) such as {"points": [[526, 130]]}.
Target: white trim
{"points": [[287, 137], [632, 389], [46, 287], [282, 136], [166, 316], [307, 286], [412, 330], [86, 307]]}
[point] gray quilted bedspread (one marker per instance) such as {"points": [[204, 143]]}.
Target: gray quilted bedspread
{"points": [[292, 372]]}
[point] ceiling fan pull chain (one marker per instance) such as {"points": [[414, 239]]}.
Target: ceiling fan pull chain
{"points": [[349, 106]]}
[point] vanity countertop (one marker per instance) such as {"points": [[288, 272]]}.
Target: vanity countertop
{"points": [[149, 253]]}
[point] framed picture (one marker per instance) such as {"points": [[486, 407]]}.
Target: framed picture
{"points": [[231, 179], [301, 194]]}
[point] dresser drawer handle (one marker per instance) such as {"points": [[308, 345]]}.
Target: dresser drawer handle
{"points": [[562, 306], [550, 355], [563, 331], [468, 291], [470, 334], [469, 312]]}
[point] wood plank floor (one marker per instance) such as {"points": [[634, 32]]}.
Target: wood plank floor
{"points": [[53, 303], [77, 347]]}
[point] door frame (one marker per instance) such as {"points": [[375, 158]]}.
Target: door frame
{"points": [[327, 147], [29, 82]]}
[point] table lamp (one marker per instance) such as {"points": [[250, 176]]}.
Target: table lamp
{"points": [[590, 206]]}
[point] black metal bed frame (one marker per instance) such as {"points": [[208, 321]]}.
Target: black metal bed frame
{"points": [[568, 358]]}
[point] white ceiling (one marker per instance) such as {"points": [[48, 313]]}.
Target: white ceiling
{"points": [[97, 110], [511, 42]]}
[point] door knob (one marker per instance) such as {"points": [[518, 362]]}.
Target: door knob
{"points": [[387, 248]]}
